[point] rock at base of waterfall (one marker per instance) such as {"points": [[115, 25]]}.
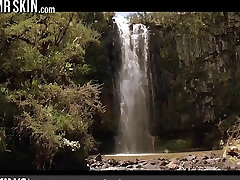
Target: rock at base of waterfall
{"points": [[98, 157]]}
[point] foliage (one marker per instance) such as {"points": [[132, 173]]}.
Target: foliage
{"points": [[2, 140], [190, 23], [175, 145], [232, 130], [45, 76], [97, 20], [52, 113]]}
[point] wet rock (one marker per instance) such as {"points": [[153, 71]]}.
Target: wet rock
{"points": [[184, 159], [210, 161], [208, 168], [172, 165], [180, 168], [126, 163], [150, 167], [164, 163], [204, 161], [223, 159], [238, 164], [195, 161], [199, 158], [93, 165], [187, 165], [190, 157], [99, 163], [131, 162], [153, 162], [129, 166], [112, 162], [228, 164], [175, 160], [213, 155], [143, 163], [98, 157], [205, 157], [217, 159], [105, 166], [90, 161], [138, 166]]}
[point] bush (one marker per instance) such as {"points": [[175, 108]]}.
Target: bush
{"points": [[57, 117]]}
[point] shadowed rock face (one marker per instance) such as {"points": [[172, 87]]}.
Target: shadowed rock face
{"points": [[211, 58]]}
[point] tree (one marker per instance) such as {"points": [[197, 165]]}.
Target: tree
{"points": [[44, 76]]}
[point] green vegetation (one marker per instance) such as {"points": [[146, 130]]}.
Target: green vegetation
{"points": [[47, 96], [176, 145]]}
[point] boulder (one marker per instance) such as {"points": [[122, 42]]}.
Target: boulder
{"points": [[98, 157]]}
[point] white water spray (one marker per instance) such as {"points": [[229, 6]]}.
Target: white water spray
{"points": [[134, 136]]}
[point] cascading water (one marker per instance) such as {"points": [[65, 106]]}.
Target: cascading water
{"points": [[134, 136]]}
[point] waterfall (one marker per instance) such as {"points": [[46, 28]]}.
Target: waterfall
{"points": [[134, 88]]}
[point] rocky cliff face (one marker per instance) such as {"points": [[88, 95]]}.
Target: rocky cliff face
{"points": [[195, 63]]}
